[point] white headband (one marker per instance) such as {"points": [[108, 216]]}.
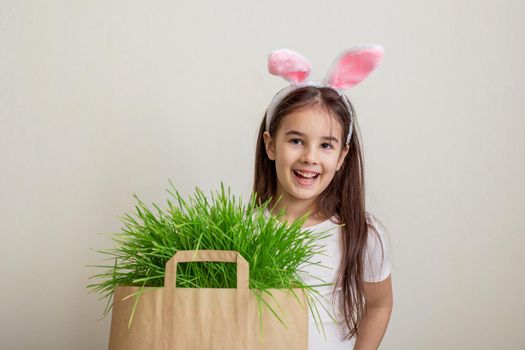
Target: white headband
{"points": [[287, 90], [348, 70]]}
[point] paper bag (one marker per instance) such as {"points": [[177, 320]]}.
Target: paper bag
{"points": [[207, 318]]}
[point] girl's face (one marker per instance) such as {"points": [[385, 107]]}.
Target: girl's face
{"points": [[307, 149]]}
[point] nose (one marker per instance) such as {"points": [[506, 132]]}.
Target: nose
{"points": [[309, 155]]}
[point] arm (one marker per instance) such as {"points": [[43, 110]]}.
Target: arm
{"points": [[379, 302]]}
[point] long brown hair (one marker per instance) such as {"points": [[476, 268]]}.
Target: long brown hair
{"points": [[344, 198]]}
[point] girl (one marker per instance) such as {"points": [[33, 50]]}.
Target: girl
{"points": [[308, 160]]}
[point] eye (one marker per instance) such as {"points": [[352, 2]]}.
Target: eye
{"points": [[292, 141], [329, 145]]}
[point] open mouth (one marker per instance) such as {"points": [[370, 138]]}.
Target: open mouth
{"points": [[305, 178]]}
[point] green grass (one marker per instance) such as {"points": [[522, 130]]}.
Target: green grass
{"points": [[275, 251]]}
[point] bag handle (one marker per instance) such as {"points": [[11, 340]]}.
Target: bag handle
{"points": [[170, 278]]}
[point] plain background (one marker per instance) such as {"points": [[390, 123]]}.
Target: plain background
{"points": [[102, 99]]}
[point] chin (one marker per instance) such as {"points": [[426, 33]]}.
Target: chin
{"points": [[307, 192]]}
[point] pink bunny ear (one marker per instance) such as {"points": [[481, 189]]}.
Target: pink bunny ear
{"points": [[290, 65], [354, 65]]}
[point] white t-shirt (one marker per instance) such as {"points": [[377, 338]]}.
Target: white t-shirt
{"points": [[376, 268]]}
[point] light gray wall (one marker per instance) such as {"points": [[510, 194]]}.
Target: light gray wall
{"points": [[100, 99]]}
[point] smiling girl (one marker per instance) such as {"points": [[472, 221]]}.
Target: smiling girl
{"points": [[309, 160]]}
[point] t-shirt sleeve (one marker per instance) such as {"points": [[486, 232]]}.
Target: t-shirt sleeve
{"points": [[377, 264]]}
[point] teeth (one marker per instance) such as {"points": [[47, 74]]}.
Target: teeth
{"points": [[308, 175]]}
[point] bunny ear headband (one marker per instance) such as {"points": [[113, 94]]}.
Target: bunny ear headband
{"points": [[349, 69]]}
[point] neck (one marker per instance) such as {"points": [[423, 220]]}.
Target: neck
{"points": [[293, 209]]}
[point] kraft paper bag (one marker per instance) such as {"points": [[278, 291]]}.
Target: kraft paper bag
{"points": [[208, 318]]}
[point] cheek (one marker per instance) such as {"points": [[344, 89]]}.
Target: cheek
{"points": [[286, 155], [283, 166], [331, 167]]}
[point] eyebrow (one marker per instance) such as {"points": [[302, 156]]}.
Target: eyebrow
{"points": [[294, 132]]}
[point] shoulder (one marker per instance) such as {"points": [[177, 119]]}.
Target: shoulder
{"points": [[377, 265], [376, 232]]}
